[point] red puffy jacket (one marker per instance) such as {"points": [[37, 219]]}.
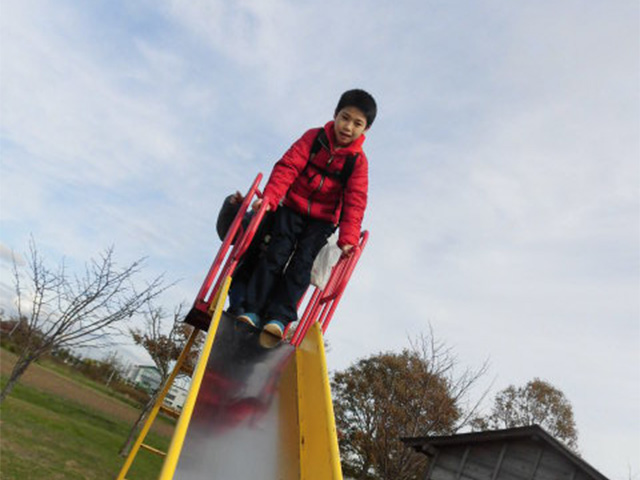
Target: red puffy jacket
{"points": [[311, 192]]}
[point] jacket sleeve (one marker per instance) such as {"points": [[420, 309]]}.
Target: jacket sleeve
{"points": [[355, 203], [288, 168]]}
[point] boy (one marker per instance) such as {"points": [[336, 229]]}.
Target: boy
{"points": [[311, 195]]}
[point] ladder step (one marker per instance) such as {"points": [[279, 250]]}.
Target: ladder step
{"points": [[187, 370], [170, 411], [154, 450]]}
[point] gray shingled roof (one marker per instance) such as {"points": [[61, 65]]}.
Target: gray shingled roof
{"points": [[430, 445]]}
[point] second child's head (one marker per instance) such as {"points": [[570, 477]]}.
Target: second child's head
{"points": [[354, 114]]}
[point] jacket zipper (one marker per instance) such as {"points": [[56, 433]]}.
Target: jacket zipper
{"points": [[322, 177]]}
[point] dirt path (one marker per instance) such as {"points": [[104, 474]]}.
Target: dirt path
{"points": [[54, 383]]}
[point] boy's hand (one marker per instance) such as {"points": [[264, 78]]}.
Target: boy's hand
{"points": [[257, 204], [346, 250]]}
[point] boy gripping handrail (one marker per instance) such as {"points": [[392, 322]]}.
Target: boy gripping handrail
{"points": [[311, 198]]}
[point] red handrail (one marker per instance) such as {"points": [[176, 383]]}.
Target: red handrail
{"points": [[323, 303], [346, 276], [206, 293]]}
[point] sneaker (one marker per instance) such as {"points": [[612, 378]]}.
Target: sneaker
{"points": [[275, 328], [268, 341], [252, 319]]}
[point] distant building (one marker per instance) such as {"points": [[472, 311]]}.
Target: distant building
{"points": [[145, 377], [514, 454], [176, 396], [148, 378]]}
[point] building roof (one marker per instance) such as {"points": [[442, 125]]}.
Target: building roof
{"points": [[431, 445]]}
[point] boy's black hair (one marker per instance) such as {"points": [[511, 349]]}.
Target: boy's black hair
{"points": [[360, 99]]}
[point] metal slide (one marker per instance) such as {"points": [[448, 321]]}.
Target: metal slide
{"points": [[258, 411]]}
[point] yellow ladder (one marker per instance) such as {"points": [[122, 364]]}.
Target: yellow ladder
{"points": [[217, 307]]}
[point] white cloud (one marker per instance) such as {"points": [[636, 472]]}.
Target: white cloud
{"points": [[503, 202], [7, 255]]}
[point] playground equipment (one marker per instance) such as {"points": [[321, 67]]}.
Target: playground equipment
{"points": [[255, 409]]}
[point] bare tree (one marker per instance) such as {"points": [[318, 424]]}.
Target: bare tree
{"points": [[164, 349], [382, 398], [60, 310]]}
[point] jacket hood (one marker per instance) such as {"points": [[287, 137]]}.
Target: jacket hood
{"points": [[352, 148]]}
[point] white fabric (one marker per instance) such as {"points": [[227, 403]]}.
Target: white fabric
{"points": [[325, 261]]}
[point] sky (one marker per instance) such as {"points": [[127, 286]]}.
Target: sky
{"points": [[504, 167]]}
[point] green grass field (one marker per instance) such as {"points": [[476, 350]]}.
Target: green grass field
{"points": [[78, 377], [43, 436]]}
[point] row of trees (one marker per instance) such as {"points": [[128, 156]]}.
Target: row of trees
{"points": [[109, 370], [420, 392], [378, 400]]}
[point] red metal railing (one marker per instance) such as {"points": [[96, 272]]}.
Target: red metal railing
{"points": [[206, 293], [323, 303]]}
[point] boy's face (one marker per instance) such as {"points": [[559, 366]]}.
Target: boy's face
{"points": [[349, 124]]}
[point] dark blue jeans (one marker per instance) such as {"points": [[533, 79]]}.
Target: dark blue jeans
{"points": [[274, 291]]}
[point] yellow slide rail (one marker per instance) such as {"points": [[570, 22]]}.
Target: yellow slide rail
{"points": [[319, 454], [171, 460]]}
